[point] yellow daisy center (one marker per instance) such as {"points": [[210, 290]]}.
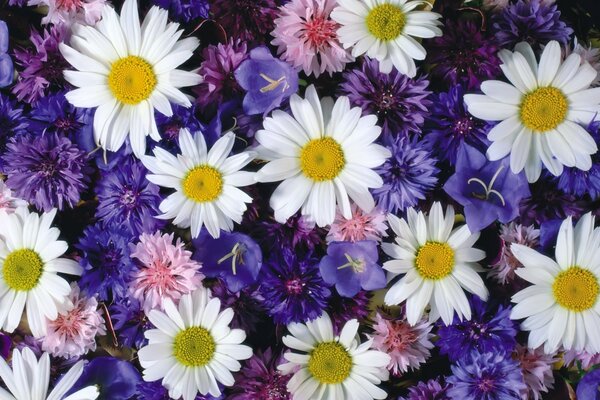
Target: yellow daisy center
{"points": [[22, 269], [131, 80], [203, 184], [576, 289], [543, 109], [322, 159], [330, 363], [434, 260], [194, 347], [386, 21]]}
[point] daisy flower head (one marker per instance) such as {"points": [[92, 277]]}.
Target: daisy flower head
{"points": [[193, 347], [205, 181], [126, 70], [561, 306], [385, 30], [29, 266], [332, 367], [28, 379], [540, 111], [436, 262], [324, 153]]}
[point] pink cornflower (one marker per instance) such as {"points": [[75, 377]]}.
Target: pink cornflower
{"points": [[571, 357], [68, 12], [73, 332], [503, 270], [166, 271], [8, 202], [307, 38], [362, 226], [408, 346], [537, 371]]}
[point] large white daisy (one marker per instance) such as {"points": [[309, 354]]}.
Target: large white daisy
{"points": [[436, 262], [206, 183], [323, 152], [540, 110], [127, 70], [29, 267], [562, 305], [28, 379], [384, 30], [333, 367], [193, 347]]}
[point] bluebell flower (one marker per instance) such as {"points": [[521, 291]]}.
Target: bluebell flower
{"points": [[115, 379], [589, 386], [7, 69]]}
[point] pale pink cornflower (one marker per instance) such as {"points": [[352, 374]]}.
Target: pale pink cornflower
{"points": [[166, 271], [362, 226], [408, 346], [73, 333], [503, 269], [307, 37], [68, 12], [8, 202], [589, 54], [571, 357], [537, 371]]}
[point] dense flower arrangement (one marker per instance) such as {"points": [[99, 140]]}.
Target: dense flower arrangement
{"points": [[299, 200]]}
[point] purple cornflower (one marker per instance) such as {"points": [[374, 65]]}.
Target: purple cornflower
{"points": [[6, 65], [430, 390], [129, 321], [183, 117], [185, 10], [43, 66], [533, 21], [48, 170], [463, 55], [115, 379], [547, 202], [352, 266], [399, 102], [407, 176], [12, 120], [297, 233], [260, 379], [292, 288], [246, 304], [342, 309], [449, 125], [126, 197], [488, 330], [487, 376], [156, 391], [248, 20], [488, 190], [5, 345]]}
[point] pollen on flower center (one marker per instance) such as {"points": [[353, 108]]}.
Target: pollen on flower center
{"points": [[434, 260], [22, 269], [194, 347], [330, 363], [320, 31], [131, 80], [386, 21], [576, 289], [543, 109], [203, 183], [322, 159]]}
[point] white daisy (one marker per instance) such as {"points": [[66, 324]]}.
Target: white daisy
{"points": [[561, 306], [206, 183], [29, 267], [28, 379], [540, 110], [436, 262], [384, 30], [333, 367], [193, 347], [126, 71], [323, 152]]}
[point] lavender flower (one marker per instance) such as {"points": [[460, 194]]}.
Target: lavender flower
{"points": [[185, 10], [6, 64], [260, 379], [248, 20], [430, 390]]}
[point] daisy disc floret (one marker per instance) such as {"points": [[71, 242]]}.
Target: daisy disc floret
{"points": [[436, 262], [540, 110], [205, 181], [561, 306], [126, 70], [29, 266], [324, 154], [193, 347]]}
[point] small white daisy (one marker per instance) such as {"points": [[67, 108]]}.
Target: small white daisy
{"points": [[206, 183], [333, 367], [540, 110], [127, 70], [561, 306], [29, 267], [323, 152], [436, 262], [384, 30], [28, 379], [193, 347]]}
